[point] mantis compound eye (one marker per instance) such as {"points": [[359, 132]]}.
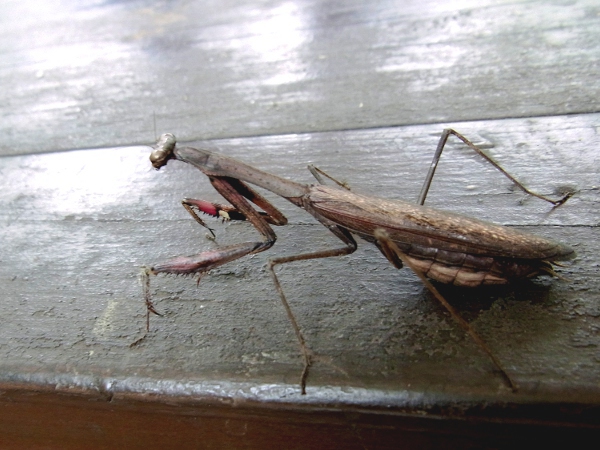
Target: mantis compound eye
{"points": [[162, 150]]}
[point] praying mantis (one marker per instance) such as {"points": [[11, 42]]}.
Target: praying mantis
{"points": [[436, 245]]}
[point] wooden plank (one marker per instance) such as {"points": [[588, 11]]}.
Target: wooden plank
{"points": [[93, 74], [138, 424], [76, 226]]}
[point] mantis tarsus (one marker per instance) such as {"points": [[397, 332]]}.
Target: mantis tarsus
{"points": [[436, 245]]}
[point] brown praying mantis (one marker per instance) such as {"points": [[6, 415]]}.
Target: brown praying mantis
{"points": [[436, 245]]}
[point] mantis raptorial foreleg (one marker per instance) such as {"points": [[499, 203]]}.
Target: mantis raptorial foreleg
{"points": [[236, 192]]}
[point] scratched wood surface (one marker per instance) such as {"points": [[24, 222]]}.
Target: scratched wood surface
{"points": [[361, 89]]}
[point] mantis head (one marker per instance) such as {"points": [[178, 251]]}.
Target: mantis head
{"points": [[162, 150]]}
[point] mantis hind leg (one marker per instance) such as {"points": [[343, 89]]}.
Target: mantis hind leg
{"points": [[399, 258], [438, 153]]}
